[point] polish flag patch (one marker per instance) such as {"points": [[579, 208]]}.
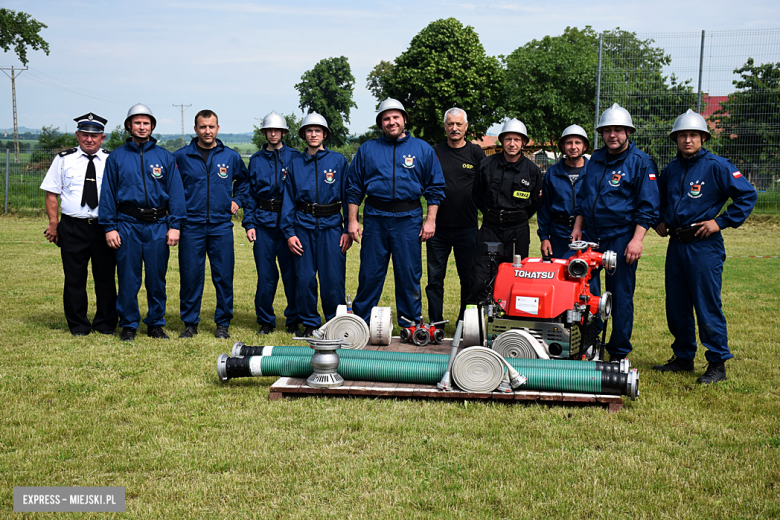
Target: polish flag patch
{"points": [[736, 175], [652, 176]]}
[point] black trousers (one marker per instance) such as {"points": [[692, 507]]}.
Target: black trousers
{"points": [[79, 243], [462, 241], [483, 272]]}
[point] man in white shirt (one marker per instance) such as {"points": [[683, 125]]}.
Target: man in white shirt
{"points": [[75, 176]]}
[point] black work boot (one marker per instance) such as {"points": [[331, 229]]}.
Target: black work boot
{"points": [[715, 372], [156, 333], [189, 331], [676, 364], [128, 334]]}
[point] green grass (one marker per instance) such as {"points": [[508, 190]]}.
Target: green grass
{"points": [[151, 416]]}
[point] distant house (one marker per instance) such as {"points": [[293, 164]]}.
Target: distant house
{"points": [[710, 105]]}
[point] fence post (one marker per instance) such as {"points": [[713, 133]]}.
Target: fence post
{"points": [[598, 93], [701, 68], [7, 184]]}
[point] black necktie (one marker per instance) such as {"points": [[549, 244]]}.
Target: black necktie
{"points": [[90, 194]]}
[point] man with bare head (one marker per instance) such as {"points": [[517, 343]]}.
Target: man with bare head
{"points": [[457, 224], [209, 170]]}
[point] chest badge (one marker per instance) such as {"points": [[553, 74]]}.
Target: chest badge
{"points": [[330, 176], [616, 178], [156, 171], [223, 169], [284, 173], [409, 161], [521, 194], [696, 189]]}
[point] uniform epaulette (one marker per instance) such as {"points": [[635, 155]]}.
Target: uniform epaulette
{"points": [[105, 151], [67, 152]]}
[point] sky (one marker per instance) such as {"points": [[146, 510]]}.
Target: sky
{"points": [[242, 59]]}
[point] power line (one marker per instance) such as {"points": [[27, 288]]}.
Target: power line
{"points": [[13, 95], [183, 107]]}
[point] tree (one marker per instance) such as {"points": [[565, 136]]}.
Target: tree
{"points": [[19, 30], [375, 81], [747, 124], [116, 138], [446, 66], [51, 138], [291, 139], [327, 89], [551, 84]]}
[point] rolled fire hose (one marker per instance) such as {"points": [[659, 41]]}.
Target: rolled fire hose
{"points": [[239, 349], [381, 325], [480, 369], [472, 319], [357, 369], [348, 327], [519, 344]]}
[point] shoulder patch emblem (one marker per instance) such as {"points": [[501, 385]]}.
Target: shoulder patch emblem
{"points": [[652, 176], [67, 152], [736, 174]]}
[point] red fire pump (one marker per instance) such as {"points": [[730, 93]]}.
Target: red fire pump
{"points": [[549, 301]]}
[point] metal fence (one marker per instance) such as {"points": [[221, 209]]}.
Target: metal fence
{"points": [[23, 180], [732, 78]]}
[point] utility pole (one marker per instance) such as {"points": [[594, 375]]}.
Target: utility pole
{"points": [[13, 77], [183, 107]]}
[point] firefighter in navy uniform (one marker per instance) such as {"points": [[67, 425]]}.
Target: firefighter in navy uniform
{"points": [[508, 191], [393, 172], [142, 209], [562, 184], [76, 175], [208, 171], [694, 187], [618, 204], [313, 217], [263, 194]]}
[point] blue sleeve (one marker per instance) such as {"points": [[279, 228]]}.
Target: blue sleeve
{"points": [[648, 198], [287, 218], [250, 205], [107, 208], [356, 190], [662, 193], [177, 206], [240, 183], [739, 190], [344, 195], [543, 216], [434, 182], [584, 191]]}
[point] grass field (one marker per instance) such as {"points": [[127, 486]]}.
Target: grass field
{"points": [[152, 417]]}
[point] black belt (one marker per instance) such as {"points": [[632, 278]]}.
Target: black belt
{"points": [[319, 210], [273, 205], [564, 219], [398, 206], [686, 234], [504, 216], [81, 220], [145, 214]]}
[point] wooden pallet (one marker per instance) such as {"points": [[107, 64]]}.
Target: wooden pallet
{"points": [[297, 387]]}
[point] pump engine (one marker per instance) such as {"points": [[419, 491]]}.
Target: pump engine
{"points": [[549, 301]]}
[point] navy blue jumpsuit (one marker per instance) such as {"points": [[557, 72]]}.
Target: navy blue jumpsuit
{"points": [[208, 191], [141, 177], [320, 179], [694, 190]]}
